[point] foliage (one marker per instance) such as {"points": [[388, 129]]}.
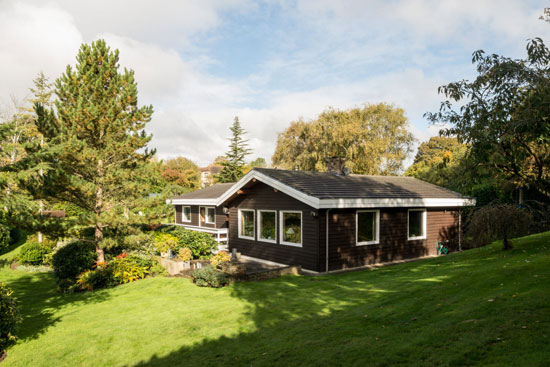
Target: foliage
{"points": [[127, 269], [182, 172], [232, 169], [373, 139], [165, 242], [497, 222], [9, 316], [258, 162], [438, 160], [185, 254], [95, 142], [201, 244], [34, 253], [220, 257], [100, 277], [4, 238], [210, 277], [72, 259], [503, 115]]}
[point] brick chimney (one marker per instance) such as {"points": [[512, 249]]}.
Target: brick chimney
{"points": [[336, 165]]}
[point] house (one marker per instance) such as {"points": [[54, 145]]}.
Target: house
{"points": [[208, 173], [327, 221], [198, 211]]}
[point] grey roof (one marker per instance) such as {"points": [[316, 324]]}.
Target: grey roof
{"points": [[324, 185], [210, 192]]}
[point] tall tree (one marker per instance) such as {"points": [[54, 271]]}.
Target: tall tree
{"points": [[373, 139], [504, 115], [233, 167], [95, 138], [183, 172], [258, 162]]}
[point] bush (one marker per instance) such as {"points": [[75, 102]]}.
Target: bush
{"points": [[126, 269], [4, 238], [219, 258], [210, 277], [165, 242], [16, 235], [201, 244], [34, 253], [9, 317], [100, 277], [185, 254], [72, 259], [497, 222]]}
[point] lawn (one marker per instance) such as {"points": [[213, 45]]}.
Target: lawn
{"points": [[480, 307]]}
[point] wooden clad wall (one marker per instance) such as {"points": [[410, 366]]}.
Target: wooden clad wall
{"points": [[221, 218], [394, 244], [261, 196]]}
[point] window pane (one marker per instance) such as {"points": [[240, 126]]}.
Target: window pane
{"points": [[292, 227], [210, 215], [366, 226], [247, 223], [187, 213], [267, 225], [416, 225], [201, 214]]}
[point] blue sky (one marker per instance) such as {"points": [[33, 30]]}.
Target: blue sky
{"points": [[200, 63]]}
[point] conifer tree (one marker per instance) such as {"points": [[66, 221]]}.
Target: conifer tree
{"points": [[95, 138], [232, 169]]}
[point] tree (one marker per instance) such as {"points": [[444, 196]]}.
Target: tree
{"points": [[95, 138], [373, 139], [183, 172], [437, 160], [504, 116], [233, 167], [258, 162]]}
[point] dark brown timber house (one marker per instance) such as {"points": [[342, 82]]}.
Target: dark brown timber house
{"points": [[326, 221]]}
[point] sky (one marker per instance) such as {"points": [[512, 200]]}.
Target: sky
{"points": [[201, 63]]}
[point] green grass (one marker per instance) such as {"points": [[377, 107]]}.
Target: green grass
{"points": [[481, 307]]}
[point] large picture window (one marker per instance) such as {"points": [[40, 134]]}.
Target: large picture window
{"points": [[291, 228], [367, 227], [417, 224], [267, 226], [186, 214], [246, 224]]}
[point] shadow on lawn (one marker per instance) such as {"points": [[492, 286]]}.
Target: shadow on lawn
{"points": [[39, 301], [298, 319]]}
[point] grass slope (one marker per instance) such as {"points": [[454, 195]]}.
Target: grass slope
{"points": [[480, 307]]}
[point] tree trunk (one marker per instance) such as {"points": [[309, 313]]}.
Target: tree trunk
{"points": [[98, 237], [506, 244]]}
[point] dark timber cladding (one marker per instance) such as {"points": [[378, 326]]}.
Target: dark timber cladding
{"points": [[260, 196], [441, 224], [220, 221]]}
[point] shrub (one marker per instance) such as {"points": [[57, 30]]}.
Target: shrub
{"points": [[219, 258], [165, 242], [210, 277], [33, 253], [16, 235], [497, 222], [4, 238], [9, 317], [201, 244], [72, 259], [126, 269], [100, 277], [138, 242], [185, 254]]}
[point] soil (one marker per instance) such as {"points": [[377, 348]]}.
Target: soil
{"points": [[3, 355]]}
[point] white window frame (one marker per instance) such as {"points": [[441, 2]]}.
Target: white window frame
{"points": [[253, 222], [377, 224], [206, 214], [183, 219], [259, 226], [424, 224], [281, 224]]}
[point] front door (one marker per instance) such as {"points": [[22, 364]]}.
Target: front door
{"points": [[202, 215]]}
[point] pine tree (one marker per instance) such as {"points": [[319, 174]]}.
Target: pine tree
{"points": [[232, 169], [95, 143]]}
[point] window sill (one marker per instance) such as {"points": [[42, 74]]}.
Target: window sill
{"points": [[291, 244], [266, 240], [367, 243], [247, 238], [416, 238]]}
